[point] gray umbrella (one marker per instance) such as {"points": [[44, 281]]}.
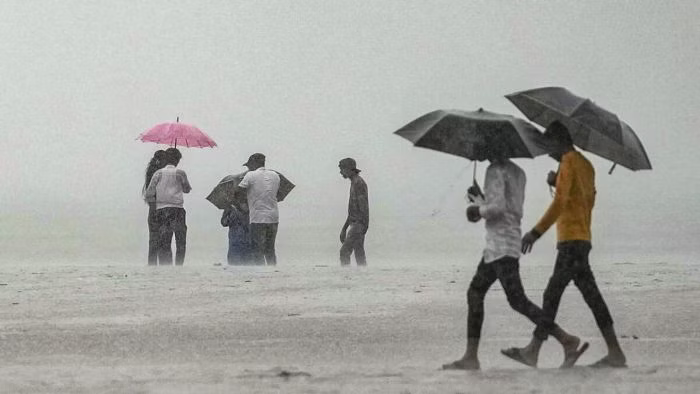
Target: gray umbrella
{"points": [[473, 134], [226, 192], [592, 127]]}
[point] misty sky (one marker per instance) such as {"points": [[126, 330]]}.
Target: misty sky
{"points": [[310, 82]]}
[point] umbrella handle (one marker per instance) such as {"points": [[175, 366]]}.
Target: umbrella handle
{"points": [[474, 173], [177, 120], [612, 168]]}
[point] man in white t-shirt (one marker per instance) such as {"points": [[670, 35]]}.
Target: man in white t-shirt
{"points": [[261, 186]]}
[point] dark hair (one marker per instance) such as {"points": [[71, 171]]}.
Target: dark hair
{"points": [[157, 162], [559, 132], [172, 156]]}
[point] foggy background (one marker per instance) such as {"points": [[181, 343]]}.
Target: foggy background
{"points": [[310, 82]]}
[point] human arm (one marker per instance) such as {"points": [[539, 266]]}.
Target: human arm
{"points": [[186, 188], [344, 230], [494, 202], [244, 183], [562, 195], [363, 204]]}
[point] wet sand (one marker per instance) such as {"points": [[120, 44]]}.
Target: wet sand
{"points": [[320, 328]]}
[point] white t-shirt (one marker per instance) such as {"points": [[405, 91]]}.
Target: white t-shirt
{"points": [[502, 209], [167, 186], [261, 187]]}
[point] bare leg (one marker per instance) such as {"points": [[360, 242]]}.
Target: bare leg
{"points": [[585, 281], [270, 236], [470, 360], [359, 248], [509, 275], [354, 238], [615, 358], [482, 281]]}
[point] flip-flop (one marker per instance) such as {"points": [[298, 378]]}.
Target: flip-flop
{"points": [[514, 353], [606, 363], [571, 358]]}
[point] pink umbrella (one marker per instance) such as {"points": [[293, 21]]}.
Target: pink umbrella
{"points": [[177, 133]]}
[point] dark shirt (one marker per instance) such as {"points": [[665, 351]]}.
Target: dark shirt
{"points": [[358, 206]]}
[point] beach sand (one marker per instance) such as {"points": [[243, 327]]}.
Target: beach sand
{"points": [[301, 328]]}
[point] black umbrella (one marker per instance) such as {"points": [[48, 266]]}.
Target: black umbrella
{"points": [[472, 134], [592, 127], [226, 192]]}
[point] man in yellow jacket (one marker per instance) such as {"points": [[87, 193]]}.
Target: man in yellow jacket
{"points": [[571, 211]]}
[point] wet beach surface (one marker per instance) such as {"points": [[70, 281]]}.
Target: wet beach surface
{"points": [[322, 328]]}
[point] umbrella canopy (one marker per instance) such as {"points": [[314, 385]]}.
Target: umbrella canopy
{"points": [[177, 134], [226, 192], [592, 127], [473, 134]]}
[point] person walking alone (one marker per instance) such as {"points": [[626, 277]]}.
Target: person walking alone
{"points": [[352, 235]]}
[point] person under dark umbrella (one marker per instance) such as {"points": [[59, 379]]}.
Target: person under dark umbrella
{"points": [[571, 211], [352, 235], [236, 218], [501, 205]]}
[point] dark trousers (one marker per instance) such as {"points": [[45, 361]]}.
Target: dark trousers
{"points": [[572, 264], [172, 221], [262, 236], [153, 235], [354, 242], [507, 271], [238, 245]]}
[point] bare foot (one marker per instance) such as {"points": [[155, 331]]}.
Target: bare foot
{"points": [[523, 356], [572, 351], [463, 364], [610, 361]]}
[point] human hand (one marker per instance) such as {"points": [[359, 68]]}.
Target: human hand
{"points": [[475, 190], [473, 214], [528, 240], [552, 179], [343, 235]]}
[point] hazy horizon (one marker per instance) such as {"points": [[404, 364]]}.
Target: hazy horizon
{"points": [[308, 83]]}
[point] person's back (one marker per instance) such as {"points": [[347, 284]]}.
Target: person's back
{"points": [[358, 211], [237, 221], [170, 187], [262, 186]]}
